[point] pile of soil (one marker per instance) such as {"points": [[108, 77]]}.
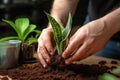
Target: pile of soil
{"points": [[35, 71]]}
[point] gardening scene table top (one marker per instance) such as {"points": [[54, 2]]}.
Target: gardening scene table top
{"points": [[97, 59], [33, 69]]}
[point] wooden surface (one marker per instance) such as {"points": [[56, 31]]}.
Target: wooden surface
{"points": [[90, 60], [96, 60]]}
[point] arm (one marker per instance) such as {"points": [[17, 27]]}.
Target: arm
{"points": [[92, 37], [61, 9], [112, 20], [46, 43]]}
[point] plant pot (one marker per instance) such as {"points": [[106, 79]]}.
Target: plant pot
{"points": [[27, 53], [9, 54]]}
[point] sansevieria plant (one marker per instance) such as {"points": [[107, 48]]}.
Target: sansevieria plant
{"points": [[60, 35], [23, 29]]}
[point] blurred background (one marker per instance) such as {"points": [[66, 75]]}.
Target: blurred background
{"points": [[34, 10]]}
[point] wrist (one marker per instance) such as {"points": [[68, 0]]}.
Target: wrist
{"points": [[112, 19]]}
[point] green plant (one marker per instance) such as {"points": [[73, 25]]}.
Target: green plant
{"points": [[60, 35], [23, 29], [112, 76]]}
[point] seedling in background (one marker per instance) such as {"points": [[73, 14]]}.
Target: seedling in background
{"points": [[108, 76], [60, 35], [23, 29]]}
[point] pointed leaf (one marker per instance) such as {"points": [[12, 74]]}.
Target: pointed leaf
{"points": [[58, 48], [62, 46], [67, 29], [57, 30], [65, 34]]}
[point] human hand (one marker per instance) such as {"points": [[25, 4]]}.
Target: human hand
{"points": [[46, 46], [87, 40]]}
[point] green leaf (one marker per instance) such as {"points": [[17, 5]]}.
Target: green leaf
{"points": [[58, 48], [9, 38], [59, 35], [23, 29], [12, 25], [107, 76], [116, 71], [67, 29], [30, 28], [65, 34], [62, 46], [32, 40], [38, 32], [57, 30], [21, 25]]}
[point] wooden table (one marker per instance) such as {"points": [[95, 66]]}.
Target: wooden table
{"points": [[97, 59], [90, 60]]}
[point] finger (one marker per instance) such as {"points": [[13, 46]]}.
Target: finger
{"points": [[72, 46], [42, 50], [73, 37], [49, 44], [42, 61], [79, 55]]}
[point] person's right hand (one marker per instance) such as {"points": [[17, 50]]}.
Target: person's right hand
{"points": [[46, 46]]}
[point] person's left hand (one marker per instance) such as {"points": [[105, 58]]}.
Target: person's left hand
{"points": [[87, 40]]}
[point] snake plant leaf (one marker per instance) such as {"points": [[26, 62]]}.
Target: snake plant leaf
{"points": [[62, 46], [67, 29], [30, 28], [107, 76], [21, 25], [60, 35], [57, 30], [9, 38], [65, 34], [12, 25]]}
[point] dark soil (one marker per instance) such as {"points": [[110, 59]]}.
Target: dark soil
{"points": [[57, 61], [35, 71], [72, 72], [27, 53]]}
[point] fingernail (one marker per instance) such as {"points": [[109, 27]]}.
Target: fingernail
{"points": [[63, 55], [67, 62], [44, 66], [47, 60], [52, 52]]}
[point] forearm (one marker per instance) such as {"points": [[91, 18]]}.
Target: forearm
{"points": [[112, 21], [61, 8]]}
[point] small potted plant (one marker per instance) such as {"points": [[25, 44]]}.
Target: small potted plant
{"points": [[23, 29], [60, 37]]}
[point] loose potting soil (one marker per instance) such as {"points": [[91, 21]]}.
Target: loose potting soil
{"points": [[35, 71]]}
